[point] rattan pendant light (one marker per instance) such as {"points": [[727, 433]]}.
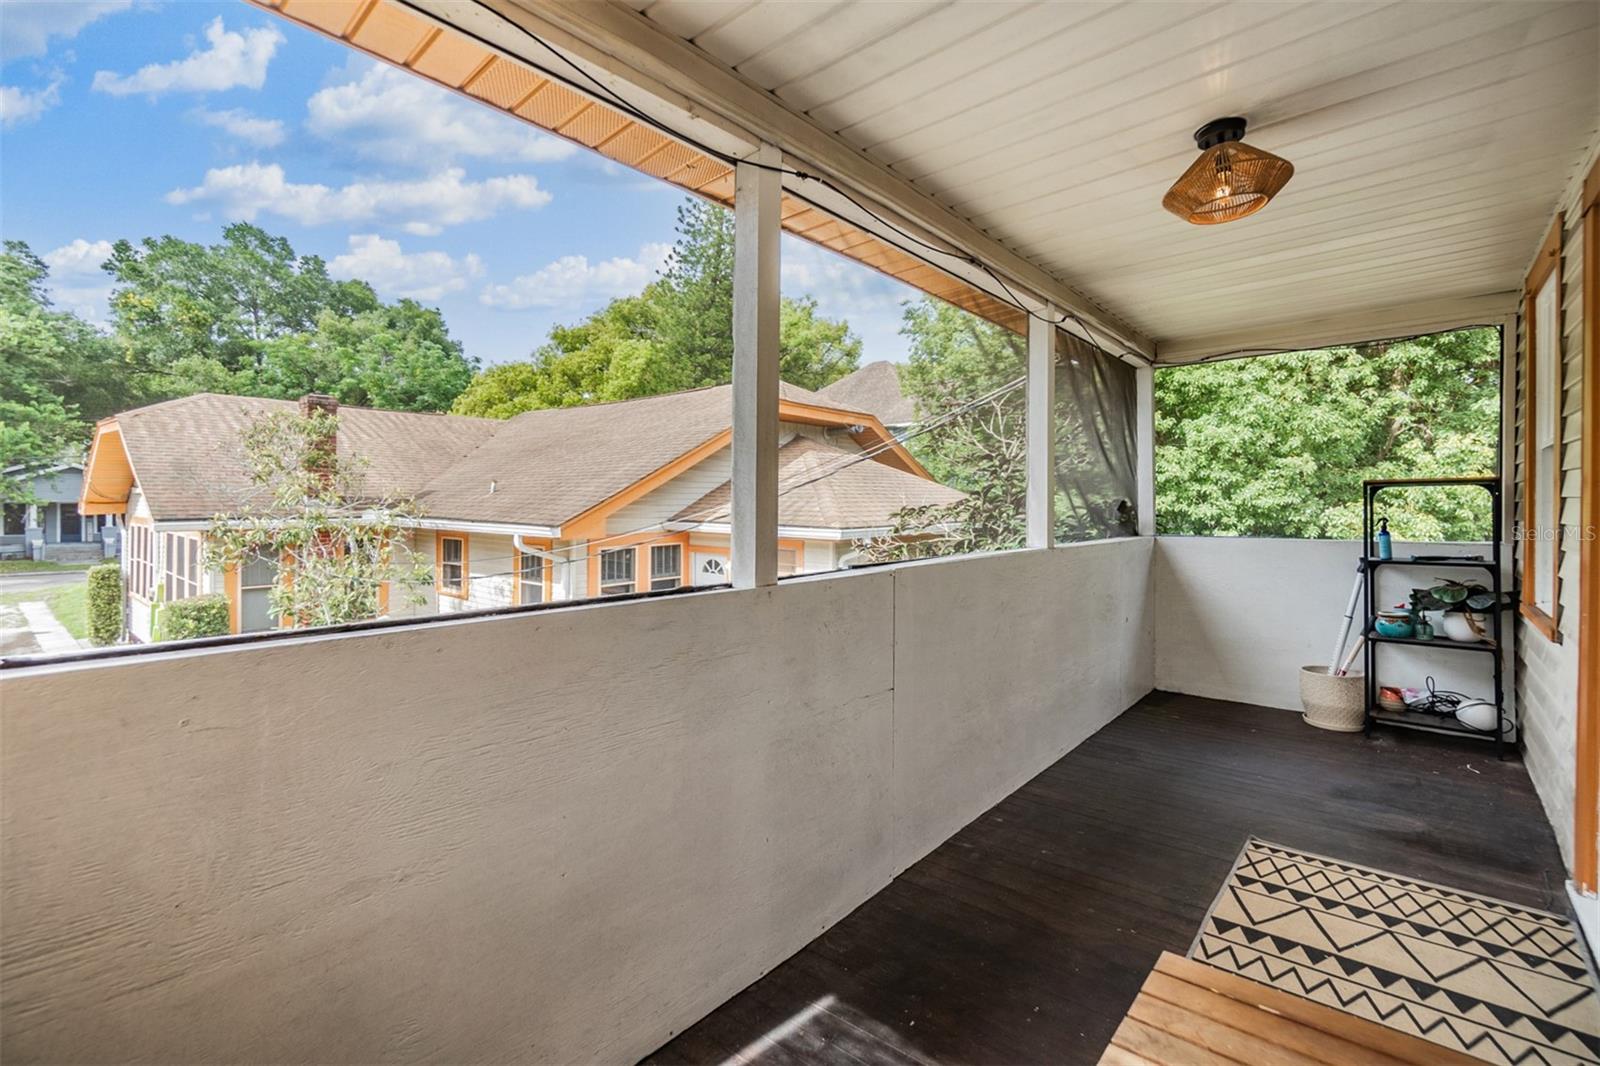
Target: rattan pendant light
{"points": [[1230, 179]]}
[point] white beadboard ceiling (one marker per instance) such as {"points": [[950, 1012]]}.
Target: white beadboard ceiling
{"points": [[1430, 140]]}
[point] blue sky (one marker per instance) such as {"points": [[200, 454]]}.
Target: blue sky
{"points": [[130, 118]]}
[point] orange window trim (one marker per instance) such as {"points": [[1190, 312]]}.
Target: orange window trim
{"points": [[232, 589], [1545, 266], [549, 577], [439, 538], [641, 560], [1586, 783]]}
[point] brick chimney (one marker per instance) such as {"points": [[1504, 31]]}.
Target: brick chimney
{"points": [[318, 401], [321, 456]]}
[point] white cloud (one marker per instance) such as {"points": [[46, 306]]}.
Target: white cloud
{"points": [[237, 122], [233, 60], [572, 279], [397, 117], [19, 106], [79, 259], [77, 283], [419, 275], [840, 286], [29, 26], [443, 199]]}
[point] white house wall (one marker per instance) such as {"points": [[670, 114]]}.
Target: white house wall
{"points": [[1547, 674], [560, 836], [659, 506]]}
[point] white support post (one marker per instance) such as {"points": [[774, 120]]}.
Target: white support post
{"points": [[757, 194], [1144, 381], [1041, 429]]}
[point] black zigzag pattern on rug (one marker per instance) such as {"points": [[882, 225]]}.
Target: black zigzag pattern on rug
{"points": [[1497, 981]]}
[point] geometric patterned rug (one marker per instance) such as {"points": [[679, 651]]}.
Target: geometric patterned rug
{"points": [[1500, 982]]}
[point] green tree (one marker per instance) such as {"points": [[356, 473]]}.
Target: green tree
{"points": [[340, 546], [1277, 446], [677, 334], [249, 315], [56, 373], [178, 305], [399, 358]]}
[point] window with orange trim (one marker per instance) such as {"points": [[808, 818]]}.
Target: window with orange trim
{"points": [[617, 568], [452, 566], [1541, 437], [666, 566]]}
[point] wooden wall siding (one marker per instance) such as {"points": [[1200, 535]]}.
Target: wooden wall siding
{"points": [[1547, 673], [394, 35]]}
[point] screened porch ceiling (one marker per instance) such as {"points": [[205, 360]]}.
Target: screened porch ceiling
{"points": [[1431, 142]]}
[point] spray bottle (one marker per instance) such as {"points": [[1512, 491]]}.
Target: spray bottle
{"points": [[1385, 542]]}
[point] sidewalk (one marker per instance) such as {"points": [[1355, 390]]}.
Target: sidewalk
{"points": [[51, 635]]}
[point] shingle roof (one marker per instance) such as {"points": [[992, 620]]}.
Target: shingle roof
{"points": [[189, 459], [824, 487], [875, 389], [545, 466]]}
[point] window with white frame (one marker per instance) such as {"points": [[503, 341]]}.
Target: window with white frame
{"points": [[617, 571], [530, 578], [666, 566], [256, 578], [180, 566], [788, 561], [453, 566], [141, 562]]}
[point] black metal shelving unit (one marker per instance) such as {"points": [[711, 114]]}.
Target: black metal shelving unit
{"points": [[1373, 565]]}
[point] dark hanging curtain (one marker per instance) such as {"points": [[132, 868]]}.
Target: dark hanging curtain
{"points": [[1096, 478]]}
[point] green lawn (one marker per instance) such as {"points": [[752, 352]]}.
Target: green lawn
{"points": [[37, 566], [66, 602]]}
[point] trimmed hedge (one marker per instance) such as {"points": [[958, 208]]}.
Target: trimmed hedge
{"points": [[200, 616], [103, 604]]}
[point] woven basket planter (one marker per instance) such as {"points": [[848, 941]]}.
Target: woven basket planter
{"points": [[1336, 703]]}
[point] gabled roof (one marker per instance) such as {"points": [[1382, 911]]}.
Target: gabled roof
{"points": [[561, 467], [823, 487], [190, 460], [874, 388]]}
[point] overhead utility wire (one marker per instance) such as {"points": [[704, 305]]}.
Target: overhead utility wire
{"points": [[628, 108]]}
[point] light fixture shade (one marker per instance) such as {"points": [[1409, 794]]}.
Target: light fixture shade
{"points": [[1229, 181]]}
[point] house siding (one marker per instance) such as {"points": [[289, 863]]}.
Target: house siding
{"points": [[1547, 672]]}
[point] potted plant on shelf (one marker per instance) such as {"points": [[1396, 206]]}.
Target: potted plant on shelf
{"points": [[1462, 607]]}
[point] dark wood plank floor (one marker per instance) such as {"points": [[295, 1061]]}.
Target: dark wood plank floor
{"points": [[1024, 938]]}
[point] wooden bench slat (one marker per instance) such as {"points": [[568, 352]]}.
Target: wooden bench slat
{"points": [[1207, 1029], [1351, 1027], [1158, 1045], [1315, 1044], [1191, 1014]]}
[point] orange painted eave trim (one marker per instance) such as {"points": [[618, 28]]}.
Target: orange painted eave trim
{"points": [[589, 524], [99, 503], [895, 455]]}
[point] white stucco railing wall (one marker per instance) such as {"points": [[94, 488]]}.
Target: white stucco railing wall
{"points": [[560, 836], [1236, 617]]}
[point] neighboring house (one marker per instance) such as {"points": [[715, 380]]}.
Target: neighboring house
{"points": [[557, 504], [875, 388], [50, 528]]}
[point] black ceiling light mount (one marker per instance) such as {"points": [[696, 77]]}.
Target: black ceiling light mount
{"points": [[1219, 131]]}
